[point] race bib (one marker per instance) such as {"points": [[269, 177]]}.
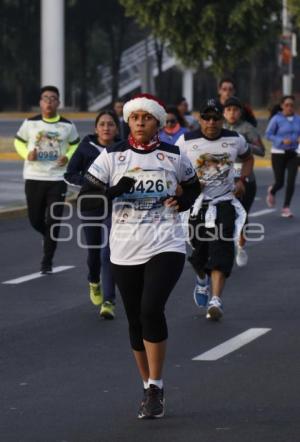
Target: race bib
{"points": [[48, 146], [148, 184]]}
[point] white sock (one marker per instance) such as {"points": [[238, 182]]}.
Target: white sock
{"points": [[202, 281], [157, 382], [145, 385]]}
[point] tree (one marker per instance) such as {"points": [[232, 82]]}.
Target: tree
{"points": [[19, 46], [294, 9], [224, 32], [85, 18], [116, 26]]}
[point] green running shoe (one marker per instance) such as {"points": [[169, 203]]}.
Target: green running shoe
{"points": [[107, 310], [96, 295]]}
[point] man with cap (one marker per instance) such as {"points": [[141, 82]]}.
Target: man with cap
{"points": [[217, 217], [234, 121]]}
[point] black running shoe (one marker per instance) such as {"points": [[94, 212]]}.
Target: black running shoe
{"points": [[140, 412], [46, 269], [153, 403]]}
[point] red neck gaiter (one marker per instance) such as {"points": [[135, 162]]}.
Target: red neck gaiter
{"points": [[153, 143]]}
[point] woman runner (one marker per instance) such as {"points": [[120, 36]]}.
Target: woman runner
{"points": [[149, 182], [102, 294], [284, 132]]}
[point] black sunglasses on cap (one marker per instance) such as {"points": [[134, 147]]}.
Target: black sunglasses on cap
{"points": [[214, 117]]}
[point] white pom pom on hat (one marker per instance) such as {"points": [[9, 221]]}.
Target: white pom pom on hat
{"points": [[148, 103]]}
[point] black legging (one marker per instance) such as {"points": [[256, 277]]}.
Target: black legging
{"points": [[249, 195], [280, 163], [145, 289]]}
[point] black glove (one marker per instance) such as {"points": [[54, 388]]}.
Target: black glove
{"points": [[123, 186], [183, 202]]}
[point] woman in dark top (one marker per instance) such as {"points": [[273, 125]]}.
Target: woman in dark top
{"points": [[96, 229]]}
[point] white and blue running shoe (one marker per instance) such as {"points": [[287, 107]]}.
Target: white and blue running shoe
{"points": [[201, 292]]}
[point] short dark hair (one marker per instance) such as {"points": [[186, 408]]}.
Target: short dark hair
{"points": [[227, 80], [180, 100], [50, 89], [233, 101], [111, 113], [172, 109], [286, 97]]}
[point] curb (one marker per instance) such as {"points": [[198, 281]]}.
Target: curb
{"points": [[261, 163], [10, 156]]}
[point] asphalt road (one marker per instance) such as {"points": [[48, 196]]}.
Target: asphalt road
{"points": [[11, 184], [67, 376]]}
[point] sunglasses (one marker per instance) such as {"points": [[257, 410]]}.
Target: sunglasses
{"points": [[171, 121], [208, 117]]}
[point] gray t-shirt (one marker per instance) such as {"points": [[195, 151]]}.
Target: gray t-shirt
{"points": [[251, 135]]}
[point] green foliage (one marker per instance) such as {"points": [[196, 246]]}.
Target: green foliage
{"points": [[19, 46], [294, 8], [225, 32]]}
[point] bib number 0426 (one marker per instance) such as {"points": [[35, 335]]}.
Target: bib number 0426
{"points": [[148, 186]]}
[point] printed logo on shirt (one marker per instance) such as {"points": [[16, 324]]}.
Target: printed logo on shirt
{"points": [[213, 168], [99, 170], [224, 144], [188, 171], [48, 145], [171, 158], [160, 156]]}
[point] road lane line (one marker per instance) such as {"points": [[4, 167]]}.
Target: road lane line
{"points": [[232, 344], [261, 212], [36, 275]]}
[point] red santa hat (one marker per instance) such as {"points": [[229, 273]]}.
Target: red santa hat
{"points": [[148, 103]]}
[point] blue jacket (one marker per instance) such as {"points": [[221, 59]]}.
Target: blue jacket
{"points": [[171, 138], [280, 128], [83, 157]]}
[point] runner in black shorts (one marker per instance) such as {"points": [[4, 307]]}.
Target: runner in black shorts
{"points": [[217, 216]]}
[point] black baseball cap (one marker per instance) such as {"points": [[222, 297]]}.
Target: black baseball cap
{"points": [[233, 101], [211, 105]]}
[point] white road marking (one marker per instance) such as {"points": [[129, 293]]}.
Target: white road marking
{"points": [[232, 344], [261, 212], [36, 275]]}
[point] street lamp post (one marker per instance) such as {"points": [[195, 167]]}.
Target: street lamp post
{"points": [[287, 65], [52, 45]]}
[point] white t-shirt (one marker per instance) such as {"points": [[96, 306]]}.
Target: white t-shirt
{"points": [[52, 140], [213, 160], [141, 226]]}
